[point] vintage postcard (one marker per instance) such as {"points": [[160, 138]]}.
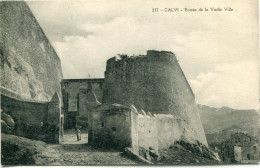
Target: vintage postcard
{"points": [[134, 82]]}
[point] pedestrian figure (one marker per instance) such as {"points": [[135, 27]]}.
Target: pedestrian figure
{"points": [[78, 133]]}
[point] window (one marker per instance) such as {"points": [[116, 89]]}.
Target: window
{"points": [[102, 124], [114, 129]]}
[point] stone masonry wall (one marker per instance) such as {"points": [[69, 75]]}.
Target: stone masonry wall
{"points": [[71, 87], [27, 116], [75, 99], [119, 126], [134, 129], [155, 83], [54, 119], [170, 129], [110, 127], [33, 119], [30, 66], [155, 132], [147, 132]]}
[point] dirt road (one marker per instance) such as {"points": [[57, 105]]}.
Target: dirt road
{"points": [[22, 151], [79, 154]]}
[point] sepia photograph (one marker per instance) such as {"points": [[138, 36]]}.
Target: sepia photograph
{"points": [[129, 83]]}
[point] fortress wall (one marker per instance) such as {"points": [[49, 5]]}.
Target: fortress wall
{"points": [[26, 115], [110, 127], [169, 130], [75, 101], [82, 119], [30, 73], [115, 125], [95, 127], [165, 132], [134, 129], [119, 131], [135, 81], [155, 83], [30, 66], [70, 89], [83, 102], [54, 119], [191, 130], [178, 129], [159, 132], [147, 133], [30, 117], [156, 132]]}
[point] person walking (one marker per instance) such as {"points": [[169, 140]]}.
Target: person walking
{"points": [[78, 134]]}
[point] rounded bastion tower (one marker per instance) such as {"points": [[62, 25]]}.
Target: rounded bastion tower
{"points": [[156, 83]]}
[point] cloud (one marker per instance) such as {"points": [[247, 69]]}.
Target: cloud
{"points": [[126, 35], [210, 46], [234, 85]]}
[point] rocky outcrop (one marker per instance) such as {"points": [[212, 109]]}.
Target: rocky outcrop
{"points": [[130, 153], [7, 123], [199, 149]]}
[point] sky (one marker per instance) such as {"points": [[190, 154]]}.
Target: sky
{"points": [[218, 51]]}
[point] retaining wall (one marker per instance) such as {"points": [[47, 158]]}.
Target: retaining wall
{"points": [[34, 120]]}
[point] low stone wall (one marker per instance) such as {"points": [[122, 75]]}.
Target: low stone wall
{"points": [[170, 129], [114, 125], [155, 132], [32, 119], [147, 132]]}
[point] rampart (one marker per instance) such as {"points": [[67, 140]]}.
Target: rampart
{"points": [[30, 66], [154, 82], [30, 75]]}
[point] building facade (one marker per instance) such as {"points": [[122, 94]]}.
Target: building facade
{"points": [[76, 93], [240, 147]]}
